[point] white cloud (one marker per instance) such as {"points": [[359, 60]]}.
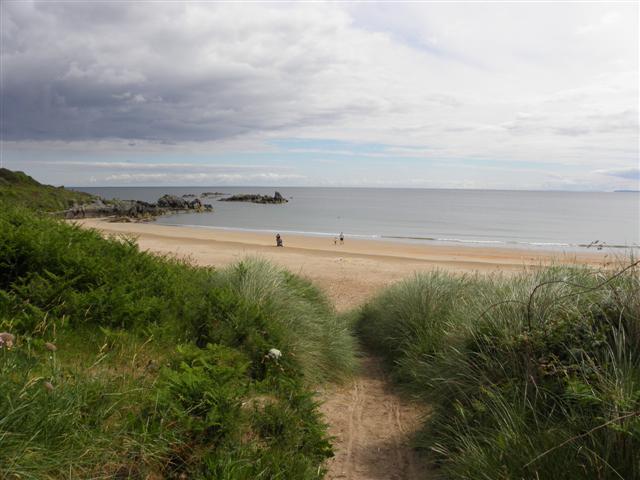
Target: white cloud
{"points": [[552, 83], [153, 166], [201, 178], [627, 173]]}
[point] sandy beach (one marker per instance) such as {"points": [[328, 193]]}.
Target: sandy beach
{"points": [[349, 273]]}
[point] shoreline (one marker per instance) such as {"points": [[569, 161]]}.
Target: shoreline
{"points": [[349, 273], [546, 247]]}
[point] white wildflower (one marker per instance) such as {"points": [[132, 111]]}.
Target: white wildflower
{"points": [[274, 354]]}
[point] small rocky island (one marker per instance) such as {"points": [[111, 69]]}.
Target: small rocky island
{"points": [[255, 198], [136, 210], [139, 211]]}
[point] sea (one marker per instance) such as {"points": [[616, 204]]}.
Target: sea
{"points": [[527, 219]]}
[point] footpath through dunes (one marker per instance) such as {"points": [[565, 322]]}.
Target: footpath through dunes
{"points": [[372, 426], [372, 429]]}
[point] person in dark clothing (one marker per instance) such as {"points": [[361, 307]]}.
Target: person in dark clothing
{"points": [[341, 238], [278, 240]]}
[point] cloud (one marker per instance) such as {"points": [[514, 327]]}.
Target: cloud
{"points": [[172, 72], [155, 166], [436, 82], [626, 173], [202, 178], [168, 173]]}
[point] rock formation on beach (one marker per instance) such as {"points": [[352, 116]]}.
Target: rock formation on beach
{"points": [[126, 210], [255, 198], [173, 202]]}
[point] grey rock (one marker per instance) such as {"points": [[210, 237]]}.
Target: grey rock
{"points": [[173, 202], [126, 210], [255, 198]]}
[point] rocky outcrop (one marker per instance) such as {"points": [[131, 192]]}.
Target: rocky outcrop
{"points": [[255, 198], [173, 202], [127, 210], [118, 208], [197, 205], [212, 194]]}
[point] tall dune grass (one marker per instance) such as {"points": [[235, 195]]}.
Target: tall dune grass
{"points": [[311, 331], [531, 376]]}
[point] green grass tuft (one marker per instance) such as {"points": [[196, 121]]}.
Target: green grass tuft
{"points": [[531, 376]]}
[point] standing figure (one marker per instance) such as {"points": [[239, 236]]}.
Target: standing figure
{"points": [[341, 238], [278, 240]]}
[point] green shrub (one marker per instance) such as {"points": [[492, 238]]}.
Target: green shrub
{"points": [[163, 367], [203, 391], [237, 427]]}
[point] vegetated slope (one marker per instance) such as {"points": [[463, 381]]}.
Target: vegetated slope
{"points": [[18, 188], [534, 376], [129, 365]]}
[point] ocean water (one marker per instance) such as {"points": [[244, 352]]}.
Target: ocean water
{"points": [[558, 220]]}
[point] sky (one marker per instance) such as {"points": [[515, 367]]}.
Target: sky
{"points": [[504, 95]]}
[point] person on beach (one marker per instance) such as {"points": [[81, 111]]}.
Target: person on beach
{"points": [[335, 240], [341, 238], [278, 240]]}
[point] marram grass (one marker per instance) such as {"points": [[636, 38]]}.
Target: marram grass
{"points": [[319, 339], [530, 376]]}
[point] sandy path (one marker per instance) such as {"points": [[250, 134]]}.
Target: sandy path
{"points": [[371, 428]]}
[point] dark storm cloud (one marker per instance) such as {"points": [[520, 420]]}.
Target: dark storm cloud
{"points": [[157, 72]]}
